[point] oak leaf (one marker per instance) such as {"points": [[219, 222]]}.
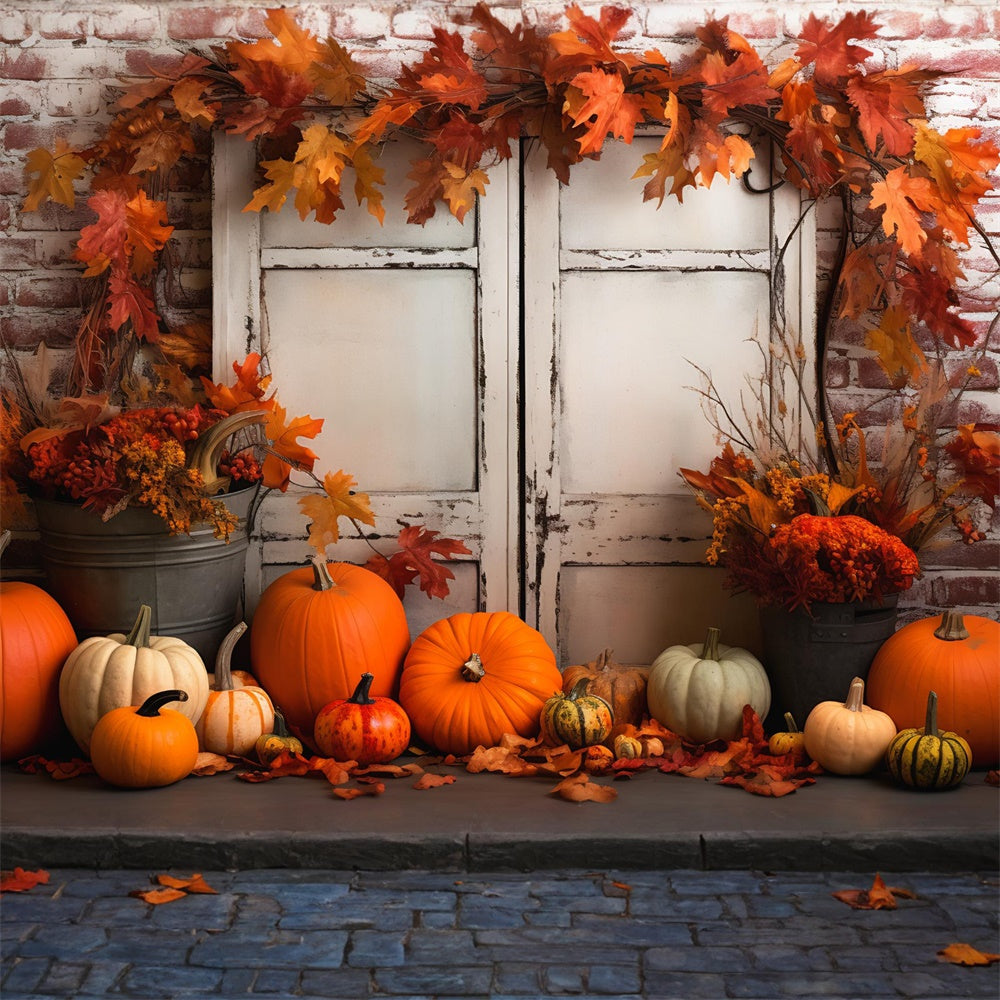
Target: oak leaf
{"points": [[959, 953], [878, 897], [20, 880], [335, 74], [158, 142], [52, 175], [368, 180], [338, 501], [588, 42]]}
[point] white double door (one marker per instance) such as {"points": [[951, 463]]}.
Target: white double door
{"points": [[521, 381]]}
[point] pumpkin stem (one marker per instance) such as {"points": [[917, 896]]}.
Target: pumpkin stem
{"points": [[710, 651], [139, 636], [790, 722], [280, 729], [150, 708], [472, 669], [952, 627], [321, 574], [605, 659], [579, 689], [930, 724], [223, 671], [855, 695], [361, 695]]}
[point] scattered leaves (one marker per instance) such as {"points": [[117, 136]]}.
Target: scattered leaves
{"points": [[429, 780], [55, 769], [173, 888], [579, 788]]}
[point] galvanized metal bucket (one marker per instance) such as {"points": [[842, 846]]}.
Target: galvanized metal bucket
{"points": [[813, 656], [101, 572]]}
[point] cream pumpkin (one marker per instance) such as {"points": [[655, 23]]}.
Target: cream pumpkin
{"points": [[698, 691], [848, 737], [117, 670], [234, 717]]}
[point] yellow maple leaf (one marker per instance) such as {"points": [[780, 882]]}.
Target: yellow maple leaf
{"points": [[338, 501], [280, 176], [460, 188], [898, 353], [52, 175]]}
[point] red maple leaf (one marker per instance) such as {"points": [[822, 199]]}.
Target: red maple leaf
{"points": [[417, 546], [829, 48]]}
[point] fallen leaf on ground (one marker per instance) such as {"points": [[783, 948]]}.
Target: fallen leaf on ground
{"points": [[503, 759], [158, 896], [992, 777], [579, 788], [428, 780], [368, 786], [959, 953], [879, 897], [58, 770], [195, 883], [207, 764], [20, 880], [390, 770]]}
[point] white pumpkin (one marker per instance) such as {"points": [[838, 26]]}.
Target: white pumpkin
{"points": [[117, 670], [236, 714], [698, 691]]}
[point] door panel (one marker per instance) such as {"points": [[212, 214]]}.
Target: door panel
{"points": [[621, 302]]}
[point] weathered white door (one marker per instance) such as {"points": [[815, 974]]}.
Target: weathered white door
{"points": [[621, 300], [519, 381], [399, 338]]}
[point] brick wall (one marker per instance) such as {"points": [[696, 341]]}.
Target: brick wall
{"points": [[58, 63]]}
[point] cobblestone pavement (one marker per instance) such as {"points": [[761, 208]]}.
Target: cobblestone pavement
{"points": [[628, 934]]}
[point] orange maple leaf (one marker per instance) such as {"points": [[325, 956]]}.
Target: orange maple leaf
{"points": [[20, 880], [878, 897], [157, 142], [129, 302], [959, 953], [193, 883], [887, 102], [460, 187], [188, 97], [156, 897], [51, 175], [338, 501], [293, 48], [902, 198], [146, 232], [607, 110], [287, 452], [246, 393]]}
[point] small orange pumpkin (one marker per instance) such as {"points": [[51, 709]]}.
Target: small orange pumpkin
{"points": [[234, 717], [361, 728], [848, 738], [146, 746]]}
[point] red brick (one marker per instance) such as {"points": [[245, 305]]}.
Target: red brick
{"points": [[200, 23], [61, 292], [69, 27], [22, 66], [27, 329], [18, 253], [126, 23], [972, 58], [20, 99], [14, 27], [967, 590]]}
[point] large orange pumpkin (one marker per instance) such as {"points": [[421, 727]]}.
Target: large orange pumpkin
{"points": [[958, 656], [470, 678], [35, 639], [316, 629]]}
